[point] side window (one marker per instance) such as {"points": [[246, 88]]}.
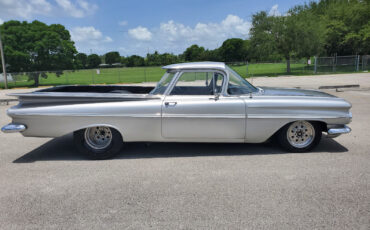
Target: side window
{"points": [[163, 83], [238, 85], [198, 83]]}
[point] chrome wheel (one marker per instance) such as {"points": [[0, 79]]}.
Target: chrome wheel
{"points": [[300, 134], [98, 137]]}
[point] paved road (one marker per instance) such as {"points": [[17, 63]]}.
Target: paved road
{"points": [[46, 184]]}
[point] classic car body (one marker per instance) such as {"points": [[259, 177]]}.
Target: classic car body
{"points": [[212, 104]]}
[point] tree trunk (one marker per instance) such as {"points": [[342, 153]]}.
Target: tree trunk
{"points": [[288, 65], [36, 79]]}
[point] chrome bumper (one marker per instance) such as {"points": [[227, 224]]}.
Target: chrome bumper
{"points": [[13, 128], [334, 132]]}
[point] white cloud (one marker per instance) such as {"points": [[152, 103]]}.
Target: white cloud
{"points": [[274, 11], [28, 9], [78, 10], [140, 33], [107, 39], [23, 8], [89, 38], [175, 37], [89, 35], [123, 23], [205, 33]]}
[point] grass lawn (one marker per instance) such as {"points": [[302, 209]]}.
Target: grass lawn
{"points": [[90, 76], [272, 69], [153, 74]]}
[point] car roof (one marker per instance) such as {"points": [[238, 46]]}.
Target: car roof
{"points": [[196, 65]]}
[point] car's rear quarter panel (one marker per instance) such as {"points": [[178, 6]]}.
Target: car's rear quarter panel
{"points": [[135, 120]]}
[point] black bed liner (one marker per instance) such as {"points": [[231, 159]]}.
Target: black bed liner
{"points": [[99, 89]]}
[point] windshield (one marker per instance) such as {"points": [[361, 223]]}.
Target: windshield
{"points": [[238, 85], [163, 83]]}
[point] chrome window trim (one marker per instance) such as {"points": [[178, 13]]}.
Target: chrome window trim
{"points": [[180, 72]]}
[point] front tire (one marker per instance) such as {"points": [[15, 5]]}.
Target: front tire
{"points": [[299, 136], [98, 143]]}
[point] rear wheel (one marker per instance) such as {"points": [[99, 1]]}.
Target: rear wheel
{"points": [[299, 136], [98, 143]]}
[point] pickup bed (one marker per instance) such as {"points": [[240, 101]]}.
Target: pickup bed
{"points": [[99, 89], [84, 94]]}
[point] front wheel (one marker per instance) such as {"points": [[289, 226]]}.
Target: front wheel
{"points": [[299, 136], [98, 142]]}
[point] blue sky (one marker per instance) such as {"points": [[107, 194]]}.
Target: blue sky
{"points": [[136, 27]]}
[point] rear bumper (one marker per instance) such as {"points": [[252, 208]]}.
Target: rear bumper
{"points": [[13, 128], [334, 132]]}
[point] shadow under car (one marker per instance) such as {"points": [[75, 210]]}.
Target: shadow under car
{"points": [[62, 148]]}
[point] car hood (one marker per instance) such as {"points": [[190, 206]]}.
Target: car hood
{"points": [[293, 92]]}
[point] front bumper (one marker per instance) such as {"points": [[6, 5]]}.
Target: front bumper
{"points": [[13, 128], [334, 132]]}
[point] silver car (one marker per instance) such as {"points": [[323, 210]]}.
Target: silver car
{"points": [[193, 102]]}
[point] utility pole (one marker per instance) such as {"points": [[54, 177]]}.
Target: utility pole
{"points": [[3, 63]]}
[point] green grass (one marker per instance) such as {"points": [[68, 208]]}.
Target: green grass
{"points": [[153, 74], [90, 76], [272, 69]]}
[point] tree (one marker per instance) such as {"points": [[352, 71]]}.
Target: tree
{"points": [[211, 55], [193, 53], [168, 58], [157, 59], [112, 57], [309, 32], [365, 38], [290, 35], [271, 34], [284, 32], [345, 25], [234, 49], [124, 61], [153, 59], [93, 60], [262, 43], [81, 61], [135, 60], [36, 46]]}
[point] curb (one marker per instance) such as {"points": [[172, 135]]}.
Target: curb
{"points": [[6, 101], [339, 86]]}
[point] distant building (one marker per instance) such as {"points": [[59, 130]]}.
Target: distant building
{"points": [[9, 77], [110, 66], [104, 65]]}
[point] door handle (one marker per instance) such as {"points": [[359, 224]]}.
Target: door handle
{"points": [[167, 103]]}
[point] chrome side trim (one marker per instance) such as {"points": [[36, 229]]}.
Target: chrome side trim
{"points": [[89, 115], [208, 116], [13, 128], [337, 131], [293, 116], [240, 116]]}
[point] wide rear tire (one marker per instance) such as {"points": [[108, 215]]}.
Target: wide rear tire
{"points": [[98, 143], [299, 136]]}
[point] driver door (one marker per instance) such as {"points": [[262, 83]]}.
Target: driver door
{"points": [[192, 111]]}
